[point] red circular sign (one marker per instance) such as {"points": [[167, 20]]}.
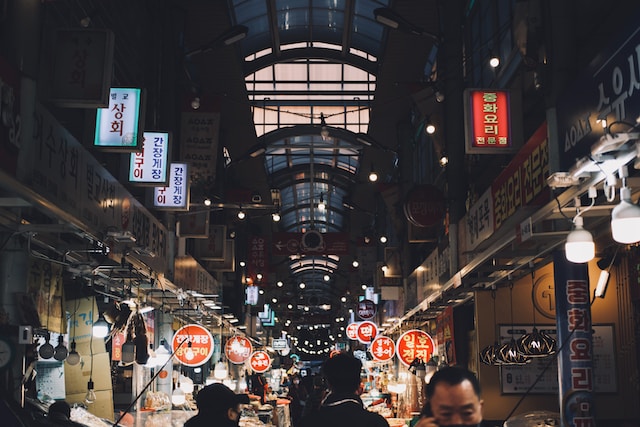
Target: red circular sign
{"points": [[414, 344], [366, 309], [260, 361], [352, 330], [367, 331], [425, 205], [192, 345], [382, 348], [238, 349]]}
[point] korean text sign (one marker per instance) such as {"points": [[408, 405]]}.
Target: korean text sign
{"points": [[118, 125]]}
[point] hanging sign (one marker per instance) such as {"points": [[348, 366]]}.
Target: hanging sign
{"points": [[367, 331], [83, 67], [414, 344], [260, 361], [238, 349], [366, 309], [382, 348], [175, 197], [192, 345], [352, 330], [118, 125], [149, 165], [488, 121]]}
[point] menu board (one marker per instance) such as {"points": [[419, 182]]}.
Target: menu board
{"points": [[517, 379]]}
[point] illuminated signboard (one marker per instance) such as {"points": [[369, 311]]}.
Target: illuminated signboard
{"points": [[176, 195], [149, 165], [192, 345], [118, 125], [489, 126]]}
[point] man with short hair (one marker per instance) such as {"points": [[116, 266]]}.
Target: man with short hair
{"points": [[343, 407], [453, 399], [217, 406]]}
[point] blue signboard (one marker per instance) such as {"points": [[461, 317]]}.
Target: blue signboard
{"points": [[575, 342], [608, 89]]}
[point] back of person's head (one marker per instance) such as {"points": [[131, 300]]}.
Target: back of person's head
{"points": [[217, 398], [452, 375], [60, 407], [342, 372]]}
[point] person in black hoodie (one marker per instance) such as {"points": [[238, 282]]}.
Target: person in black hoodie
{"points": [[343, 407], [217, 406]]}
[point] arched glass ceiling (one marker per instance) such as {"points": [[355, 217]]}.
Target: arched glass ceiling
{"points": [[310, 64], [349, 24]]}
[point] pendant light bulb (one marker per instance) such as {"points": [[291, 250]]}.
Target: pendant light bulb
{"points": [[579, 246], [90, 397], [625, 219], [74, 357]]}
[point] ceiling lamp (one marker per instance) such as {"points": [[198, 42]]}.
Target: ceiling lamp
{"points": [[494, 61], [508, 353], [429, 127], [579, 246], [324, 129], [535, 344], [321, 204], [100, 328], [625, 219], [276, 216], [241, 214]]}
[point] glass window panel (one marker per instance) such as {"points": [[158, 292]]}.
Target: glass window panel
{"points": [[290, 71]]}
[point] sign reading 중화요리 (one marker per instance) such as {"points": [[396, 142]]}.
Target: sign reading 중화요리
{"points": [[192, 345]]}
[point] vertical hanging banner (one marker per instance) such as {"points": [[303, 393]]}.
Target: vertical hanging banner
{"points": [[575, 339], [149, 165], [118, 127], [83, 67], [199, 144], [175, 197], [258, 262], [490, 126]]}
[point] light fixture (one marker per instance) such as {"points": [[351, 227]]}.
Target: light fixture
{"points": [[73, 358], [162, 353], [536, 343], [177, 397], [229, 37], [383, 239], [508, 353], [444, 160], [186, 384], [207, 201], [46, 350], [391, 19], [494, 60], [384, 267], [195, 103], [241, 214], [579, 246], [625, 219], [61, 351], [429, 127], [489, 354], [373, 175], [100, 328], [220, 371], [90, 397], [321, 205], [276, 217], [355, 263], [302, 285], [324, 129]]}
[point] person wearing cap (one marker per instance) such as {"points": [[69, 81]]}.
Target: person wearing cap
{"points": [[343, 407], [219, 406]]}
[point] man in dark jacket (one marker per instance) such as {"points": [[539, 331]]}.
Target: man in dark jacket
{"points": [[217, 406], [343, 407]]}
